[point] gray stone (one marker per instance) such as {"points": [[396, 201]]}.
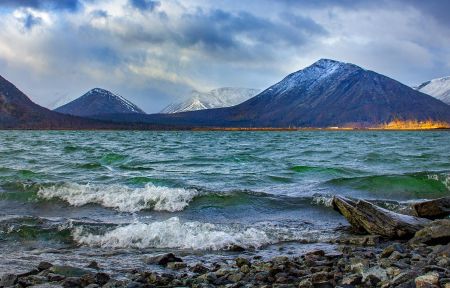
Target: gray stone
{"points": [[8, 280]]}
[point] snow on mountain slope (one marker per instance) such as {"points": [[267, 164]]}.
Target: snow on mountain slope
{"points": [[438, 88], [99, 101], [217, 98]]}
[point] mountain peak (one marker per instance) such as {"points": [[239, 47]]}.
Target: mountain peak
{"points": [[99, 101], [438, 88]]}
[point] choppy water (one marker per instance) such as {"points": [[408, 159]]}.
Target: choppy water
{"points": [[71, 197]]}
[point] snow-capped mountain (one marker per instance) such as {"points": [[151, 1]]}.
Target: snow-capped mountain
{"points": [[326, 94], [217, 98], [438, 88], [97, 102]]}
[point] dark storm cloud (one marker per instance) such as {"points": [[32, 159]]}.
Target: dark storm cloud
{"points": [[145, 4], [221, 30]]}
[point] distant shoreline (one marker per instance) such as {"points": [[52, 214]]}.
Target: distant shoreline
{"points": [[271, 129]]}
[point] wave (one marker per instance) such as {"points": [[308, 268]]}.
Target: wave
{"points": [[411, 185], [173, 233], [122, 198], [324, 170]]}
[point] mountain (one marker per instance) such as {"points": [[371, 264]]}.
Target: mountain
{"points": [[438, 88], [327, 93], [96, 102], [18, 111], [217, 98]]}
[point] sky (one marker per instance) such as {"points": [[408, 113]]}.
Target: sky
{"points": [[155, 52]]}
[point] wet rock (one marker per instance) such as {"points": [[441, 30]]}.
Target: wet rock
{"points": [[93, 265], [44, 266], [353, 279], [72, 282], [236, 248], [319, 277], [163, 259], [428, 280], [8, 280], [306, 283], [68, 271], [176, 265], [235, 277], [242, 261], [374, 274], [245, 269], [365, 216], [102, 278], [199, 269], [320, 253], [433, 209], [402, 278], [55, 277], [392, 248], [435, 233]]}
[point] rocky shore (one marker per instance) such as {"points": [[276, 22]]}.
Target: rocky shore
{"points": [[419, 257]]}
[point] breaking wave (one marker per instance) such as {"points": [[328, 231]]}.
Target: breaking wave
{"points": [[122, 198], [173, 233]]}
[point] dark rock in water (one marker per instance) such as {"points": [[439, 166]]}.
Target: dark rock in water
{"points": [[8, 280], [199, 268], [433, 209], [242, 261], [360, 240], [72, 282], [436, 233], [365, 216], [163, 259], [68, 271], [44, 266], [102, 278], [236, 248], [93, 265]]}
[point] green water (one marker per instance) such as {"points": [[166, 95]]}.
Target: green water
{"points": [[199, 192]]}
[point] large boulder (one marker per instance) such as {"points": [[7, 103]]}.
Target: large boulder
{"points": [[433, 209], [372, 219], [435, 233]]}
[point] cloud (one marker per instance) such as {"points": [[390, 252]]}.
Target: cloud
{"points": [[29, 21], [153, 58]]}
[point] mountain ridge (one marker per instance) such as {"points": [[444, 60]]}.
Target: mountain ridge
{"points": [[98, 101], [216, 98], [438, 88], [326, 93]]}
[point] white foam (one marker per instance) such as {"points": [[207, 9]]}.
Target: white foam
{"points": [[120, 197], [172, 233]]}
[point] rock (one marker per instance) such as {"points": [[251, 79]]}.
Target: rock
{"points": [[435, 233], [163, 259], [68, 271], [245, 269], [176, 265], [390, 249], [306, 283], [353, 279], [93, 265], [319, 277], [235, 277], [365, 216], [236, 248], [428, 280], [402, 278], [433, 209], [320, 253], [242, 261], [199, 269], [72, 282], [8, 280], [102, 278], [55, 277], [374, 274], [44, 266]]}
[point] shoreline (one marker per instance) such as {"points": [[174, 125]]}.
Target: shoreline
{"points": [[359, 261]]}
